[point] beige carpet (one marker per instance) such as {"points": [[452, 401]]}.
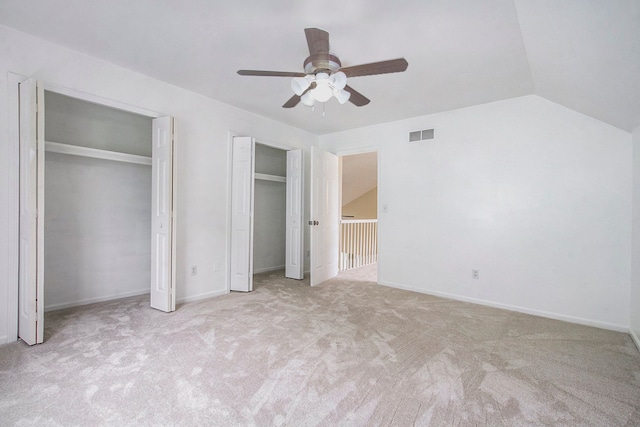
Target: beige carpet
{"points": [[348, 352]]}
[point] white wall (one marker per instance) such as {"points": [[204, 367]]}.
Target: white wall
{"points": [[269, 226], [202, 127], [270, 160], [364, 207], [535, 196], [75, 122], [97, 230], [635, 263]]}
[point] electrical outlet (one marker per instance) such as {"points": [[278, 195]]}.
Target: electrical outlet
{"points": [[216, 266], [194, 270], [475, 274]]}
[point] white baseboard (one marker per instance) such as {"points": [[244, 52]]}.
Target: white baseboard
{"points": [[267, 269], [131, 294], [555, 316], [3, 340], [203, 296], [635, 338], [95, 300]]}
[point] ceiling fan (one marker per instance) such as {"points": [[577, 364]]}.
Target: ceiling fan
{"points": [[323, 75]]}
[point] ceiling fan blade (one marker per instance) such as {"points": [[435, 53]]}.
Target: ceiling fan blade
{"points": [[262, 73], [382, 67], [317, 40], [292, 102], [356, 97]]}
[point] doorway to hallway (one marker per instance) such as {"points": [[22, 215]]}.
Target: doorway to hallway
{"points": [[359, 211]]}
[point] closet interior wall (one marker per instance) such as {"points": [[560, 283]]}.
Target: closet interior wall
{"points": [[269, 227], [97, 211]]}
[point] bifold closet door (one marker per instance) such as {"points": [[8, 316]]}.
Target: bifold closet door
{"points": [[294, 265], [163, 196], [31, 194], [242, 185]]}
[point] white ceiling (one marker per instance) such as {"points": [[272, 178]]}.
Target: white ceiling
{"points": [[584, 54]]}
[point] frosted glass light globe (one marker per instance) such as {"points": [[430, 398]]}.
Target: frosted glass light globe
{"points": [[322, 92]]}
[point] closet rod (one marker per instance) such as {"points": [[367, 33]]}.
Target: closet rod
{"points": [[75, 150], [274, 178]]}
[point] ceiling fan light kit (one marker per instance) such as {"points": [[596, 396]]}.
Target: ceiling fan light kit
{"points": [[324, 88], [307, 99], [300, 84], [323, 77]]}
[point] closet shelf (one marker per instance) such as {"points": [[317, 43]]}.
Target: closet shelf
{"points": [[76, 150], [266, 177]]}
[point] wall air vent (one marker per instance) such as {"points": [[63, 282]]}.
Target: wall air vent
{"points": [[415, 136], [421, 135]]}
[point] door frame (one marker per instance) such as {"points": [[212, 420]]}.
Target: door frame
{"points": [[364, 150], [14, 80], [269, 143]]}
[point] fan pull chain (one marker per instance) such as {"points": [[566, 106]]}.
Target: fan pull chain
{"points": [[323, 114]]}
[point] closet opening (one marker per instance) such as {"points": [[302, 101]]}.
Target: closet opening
{"points": [[269, 224], [266, 232], [86, 134], [359, 215], [98, 186]]}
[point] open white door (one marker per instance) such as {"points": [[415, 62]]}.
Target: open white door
{"points": [[241, 262], [31, 257], [163, 295], [325, 216], [294, 266]]}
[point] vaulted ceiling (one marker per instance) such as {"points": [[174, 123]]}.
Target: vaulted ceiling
{"points": [[359, 175], [583, 54]]}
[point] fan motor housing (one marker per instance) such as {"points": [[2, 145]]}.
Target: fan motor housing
{"points": [[322, 62]]}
